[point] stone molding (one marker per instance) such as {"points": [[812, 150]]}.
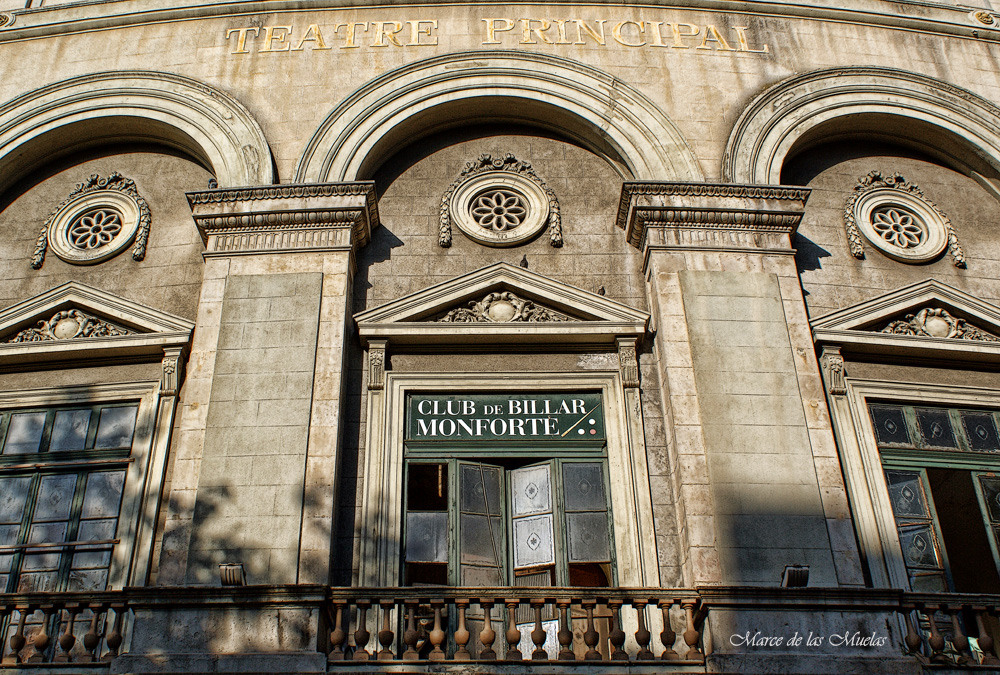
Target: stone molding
{"points": [[322, 217], [877, 188], [352, 141], [832, 364], [119, 328], [927, 320], [207, 123], [705, 216], [68, 324], [501, 307], [92, 193], [776, 119], [590, 319], [509, 168]]}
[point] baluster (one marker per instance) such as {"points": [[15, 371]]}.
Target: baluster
{"points": [[462, 633], [642, 634], [986, 643], [538, 633], [513, 634], [339, 634], [691, 634], [937, 640], [565, 635], [958, 639], [617, 635], [361, 633], [40, 640], [114, 639], [93, 639], [67, 639], [667, 635], [912, 638], [437, 633], [17, 640], [488, 635], [410, 635], [385, 636], [591, 636]]}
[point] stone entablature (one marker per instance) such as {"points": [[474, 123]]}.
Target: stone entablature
{"points": [[321, 217], [705, 216]]}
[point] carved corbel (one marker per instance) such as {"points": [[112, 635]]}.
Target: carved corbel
{"points": [[628, 362], [172, 368], [833, 371], [376, 364]]}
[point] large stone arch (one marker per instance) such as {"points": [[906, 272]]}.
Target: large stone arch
{"points": [[952, 124], [144, 106], [589, 106]]}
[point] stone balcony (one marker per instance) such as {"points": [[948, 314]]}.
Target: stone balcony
{"points": [[311, 628]]}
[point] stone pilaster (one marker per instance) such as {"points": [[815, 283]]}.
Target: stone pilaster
{"points": [[257, 453], [751, 450]]}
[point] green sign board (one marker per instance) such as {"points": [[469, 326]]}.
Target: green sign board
{"points": [[491, 417]]}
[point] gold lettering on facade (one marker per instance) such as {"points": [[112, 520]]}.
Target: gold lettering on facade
{"points": [[496, 31]]}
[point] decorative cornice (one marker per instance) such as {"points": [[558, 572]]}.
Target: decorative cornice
{"points": [[701, 215], [512, 164], [503, 307], [68, 324], [94, 183], [938, 323], [285, 217]]}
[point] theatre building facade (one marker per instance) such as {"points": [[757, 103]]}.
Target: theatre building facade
{"points": [[499, 338]]}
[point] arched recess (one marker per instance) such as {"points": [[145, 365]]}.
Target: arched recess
{"points": [[142, 106], [579, 102], [951, 124]]}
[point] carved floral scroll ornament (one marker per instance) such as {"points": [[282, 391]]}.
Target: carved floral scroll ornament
{"points": [[503, 307], [933, 322], [98, 219], [499, 201], [896, 217], [67, 325]]}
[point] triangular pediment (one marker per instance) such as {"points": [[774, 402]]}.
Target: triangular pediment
{"points": [[75, 320], [928, 317], [504, 302]]}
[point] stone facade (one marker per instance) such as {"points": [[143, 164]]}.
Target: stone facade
{"points": [[291, 288]]}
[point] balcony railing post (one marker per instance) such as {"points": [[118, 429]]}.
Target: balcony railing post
{"points": [[565, 635], [912, 639], [488, 635], [591, 636], [667, 635], [986, 643], [410, 635], [41, 639], [513, 634], [538, 633], [462, 634], [92, 639], [386, 635], [642, 634], [437, 633], [958, 639], [691, 635], [617, 635], [67, 640], [361, 633], [339, 633], [17, 640], [937, 640], [114, 638]]}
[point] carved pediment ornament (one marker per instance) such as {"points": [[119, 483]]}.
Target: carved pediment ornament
{"points": [[894, 216], [67, 325], [933, 322], [95, 222], [502, 307], [499, 201]]}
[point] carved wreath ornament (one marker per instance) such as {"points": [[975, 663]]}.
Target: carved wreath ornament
{"points": [[936, 322], [98, 219], [896, 218], [67, 325], [499, 202], [502, 307]]}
